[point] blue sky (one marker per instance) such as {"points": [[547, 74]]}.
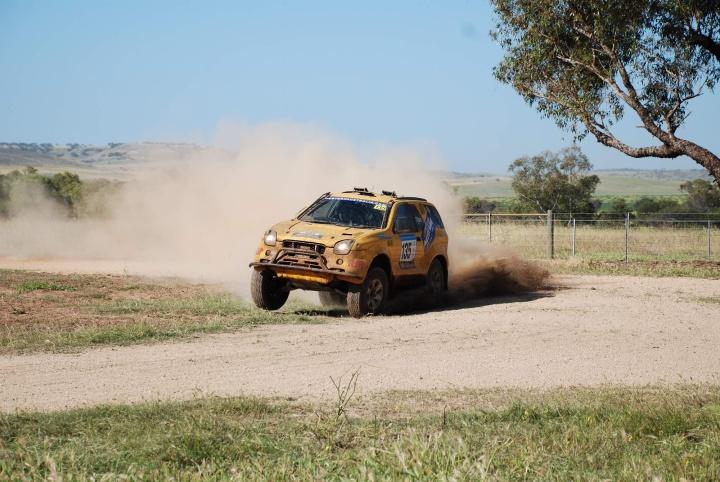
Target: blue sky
{"points": [[401, 72]]}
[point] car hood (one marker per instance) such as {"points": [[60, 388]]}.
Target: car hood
{"points": [[327, 234]]}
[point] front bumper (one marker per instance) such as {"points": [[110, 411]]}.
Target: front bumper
{"points": [[305, 262], [284, 267], [306, 275]]}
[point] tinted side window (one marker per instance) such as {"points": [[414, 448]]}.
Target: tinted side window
{"points": [[435, 215], [407, 219]]}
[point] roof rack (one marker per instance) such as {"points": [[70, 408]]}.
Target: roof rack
{"points": [[360, 190], [389, 193]]}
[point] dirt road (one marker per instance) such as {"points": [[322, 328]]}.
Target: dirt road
{"points": [[593, 330]]}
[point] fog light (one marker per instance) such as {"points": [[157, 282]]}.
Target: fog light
{"points": [[340, 261], [267, 253]]}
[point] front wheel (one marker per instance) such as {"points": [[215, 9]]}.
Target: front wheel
{"points": [[268, 292], [370, 298]]}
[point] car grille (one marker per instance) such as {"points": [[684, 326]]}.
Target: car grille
{"points": [[302, 245], [302, 254]]}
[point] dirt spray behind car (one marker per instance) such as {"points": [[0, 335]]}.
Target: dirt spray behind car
{"points": [[199, 217]]}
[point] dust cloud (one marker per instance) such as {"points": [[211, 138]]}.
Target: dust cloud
{"points": [[202, 218]]}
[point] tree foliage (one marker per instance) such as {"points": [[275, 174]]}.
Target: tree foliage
{"points": [[583, 63], [702, 195], [476, 205], [653, 205], [66, 189], [559, 181]]}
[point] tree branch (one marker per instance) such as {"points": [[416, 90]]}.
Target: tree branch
{"points": [[630, 97], [605, 137], [593, 69], [697, 38], [672, 126]]}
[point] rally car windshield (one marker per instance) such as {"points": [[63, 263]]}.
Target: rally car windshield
{"points": [[354, 213]]}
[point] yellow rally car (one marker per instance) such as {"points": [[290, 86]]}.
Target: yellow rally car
{"points": [[356, 248]]}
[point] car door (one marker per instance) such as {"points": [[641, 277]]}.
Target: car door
{"points": [[409, 254], [434, 235]]}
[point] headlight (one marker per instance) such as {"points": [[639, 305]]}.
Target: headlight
{"points": [[270, 238], [343, 247]]}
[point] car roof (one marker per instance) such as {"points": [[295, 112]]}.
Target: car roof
{"points": [[365, 195]]}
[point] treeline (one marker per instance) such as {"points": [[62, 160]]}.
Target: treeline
{"points": [[700, 197], [562, 182], [71, 196], [47, 147]]}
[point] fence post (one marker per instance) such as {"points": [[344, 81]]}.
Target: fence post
{"points": [[551, 235], [573, 236], [709, 253], [627, 232], [490, 226]]}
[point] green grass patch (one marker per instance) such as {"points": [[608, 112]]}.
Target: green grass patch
{"points": [[43, 285], [621, 435], [57, 312], [223, 304], [148, 321], [611, 185]]}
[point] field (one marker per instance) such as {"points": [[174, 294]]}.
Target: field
{"points": [[304, 394], [612, 183], [107, 377], [46, 311]]}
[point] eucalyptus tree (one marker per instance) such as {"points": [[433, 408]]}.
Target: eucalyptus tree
{"points": [[585, 63]]}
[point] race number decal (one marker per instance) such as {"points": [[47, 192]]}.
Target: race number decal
{"points": [[408, 249]]}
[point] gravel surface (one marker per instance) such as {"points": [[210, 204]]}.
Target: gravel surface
{"points": [[592, 330]]}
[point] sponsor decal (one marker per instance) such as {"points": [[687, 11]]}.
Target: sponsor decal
{"points": [[408, 250], [308, 234], [376, 204], [429, 231]]}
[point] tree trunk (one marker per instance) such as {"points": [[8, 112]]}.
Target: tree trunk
{"points": [[702, 156]]}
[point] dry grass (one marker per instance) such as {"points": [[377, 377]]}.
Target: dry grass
{"points": [[599, 241], [56, 312]]}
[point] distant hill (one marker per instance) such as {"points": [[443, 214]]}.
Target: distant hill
{"points": [[114, 160], [121, 160]]}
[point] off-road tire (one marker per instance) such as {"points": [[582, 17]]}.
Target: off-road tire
{"points": [[371, 297], [331, 298], [267, 291], [436, 282]]}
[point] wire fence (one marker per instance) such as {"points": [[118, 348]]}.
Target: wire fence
{"points": [[629, 237]]}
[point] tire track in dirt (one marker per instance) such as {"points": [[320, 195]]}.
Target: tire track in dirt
{"points": [[593, 330]]}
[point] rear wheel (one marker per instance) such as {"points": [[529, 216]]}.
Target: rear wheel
{"points": [[331, 298], [436, 282], [370, 298], [268, 292]]}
